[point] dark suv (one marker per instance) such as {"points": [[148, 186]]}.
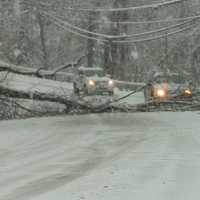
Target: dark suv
{"points": [[164, 87]]}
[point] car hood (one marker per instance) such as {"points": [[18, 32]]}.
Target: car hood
{"points": [[98, 79]]}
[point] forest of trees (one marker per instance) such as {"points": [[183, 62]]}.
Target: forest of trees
{"points": [[128, 43]]}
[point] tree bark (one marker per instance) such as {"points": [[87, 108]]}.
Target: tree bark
{"points": [[91, 43], [39, 72], [117, 62], [43, 40]]}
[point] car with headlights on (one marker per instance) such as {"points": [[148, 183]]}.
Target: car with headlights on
{"points": [[92, 81], [163, 87]]}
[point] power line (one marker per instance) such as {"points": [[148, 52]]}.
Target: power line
{"points": [[74, 32], [153, 6], [154, 38], [133, 22], [106, 36], [139, 22], [123, 41], [80, 34], [77, 28]]}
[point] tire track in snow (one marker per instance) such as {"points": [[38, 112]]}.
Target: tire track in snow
{"points": [[55, 164]]}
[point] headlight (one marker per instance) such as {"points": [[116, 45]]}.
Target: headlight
{"points": [[188, 92], [110, 83], [91, 83], [160, 93]]}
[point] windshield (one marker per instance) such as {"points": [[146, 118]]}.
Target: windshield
{"points": [[177, 79], [170, 79], [93, 73]]}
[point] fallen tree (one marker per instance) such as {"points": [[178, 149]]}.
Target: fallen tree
{"points": [[21, 86], [26, 87], [40, 72], [24, 83], [14, 86], [58, 74], [8, 92]]}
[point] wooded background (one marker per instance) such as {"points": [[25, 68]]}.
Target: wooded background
{"points": [[49, 33]]}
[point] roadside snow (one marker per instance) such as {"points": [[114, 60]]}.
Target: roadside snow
{"points": [[101, 157], [136, 98], [33, 84]]}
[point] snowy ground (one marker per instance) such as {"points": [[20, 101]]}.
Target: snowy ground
{"points": [[136, 98], [33, 84], [140, 156]]}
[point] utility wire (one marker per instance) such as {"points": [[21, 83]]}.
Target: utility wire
{"points": [[123, 41], [153, 6], [143, 33], [154, 38], [133, 22], [139, 22], [59, 24], [75, 27], [106, 36]]}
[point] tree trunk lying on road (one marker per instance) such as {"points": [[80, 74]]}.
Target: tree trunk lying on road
{"points": [[24, 83], [41, 73], [26, 87], [25, 70], [34, 95]]}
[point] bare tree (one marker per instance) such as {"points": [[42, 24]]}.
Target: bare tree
{"points": [[41, 23], [91, 43], [116, 56]]}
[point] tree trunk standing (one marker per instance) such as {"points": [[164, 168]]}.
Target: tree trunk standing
{"points": [[106, 59], [124, 49], [17, 8], [117, 64], [113, 61], [166, 65], [42, 40], [21, 9], [91, 43], [195, 64]]}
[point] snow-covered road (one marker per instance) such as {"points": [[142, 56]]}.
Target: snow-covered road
{"points": [[154, 156]]}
